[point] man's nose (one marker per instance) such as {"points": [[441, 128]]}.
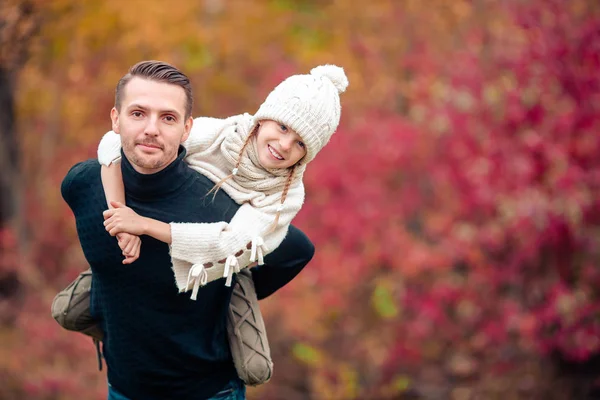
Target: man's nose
{"points": [[152, 127]]}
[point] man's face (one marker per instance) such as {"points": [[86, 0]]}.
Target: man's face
{"points": [[151, 123]]}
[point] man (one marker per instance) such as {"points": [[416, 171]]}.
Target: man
{"points": [[158, 343]]}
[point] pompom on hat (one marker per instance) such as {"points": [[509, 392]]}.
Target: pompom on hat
{"points": [[309, 105]]}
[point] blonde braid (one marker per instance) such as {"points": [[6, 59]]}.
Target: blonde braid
{"points": [[218, 185], [288, 183]]}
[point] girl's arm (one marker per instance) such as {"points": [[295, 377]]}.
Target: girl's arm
{"points": [[112, 181], [203, 252], [216, 250], [205, 243], [121, 218], [109, 154], [157, 229]]}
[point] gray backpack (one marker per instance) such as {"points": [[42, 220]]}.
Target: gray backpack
{"points": [[245, 326]]}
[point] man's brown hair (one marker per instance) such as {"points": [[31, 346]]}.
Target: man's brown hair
{"points": [[157, 71]]}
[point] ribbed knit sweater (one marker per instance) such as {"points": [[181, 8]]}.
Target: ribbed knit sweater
{"points": [[158, 343]]}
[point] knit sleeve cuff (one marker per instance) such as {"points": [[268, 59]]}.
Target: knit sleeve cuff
{"points": [[195, 242], [109, 150]]}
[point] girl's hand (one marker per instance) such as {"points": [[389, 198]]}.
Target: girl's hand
{"points": [[123, 219], [130, 245]]}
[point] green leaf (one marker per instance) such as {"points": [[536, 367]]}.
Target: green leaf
{"points": [[307, 354], [401, 383], [383, 302]]}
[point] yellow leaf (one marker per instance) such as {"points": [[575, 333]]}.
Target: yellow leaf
{"points": [[383, 302], [307, 354]]}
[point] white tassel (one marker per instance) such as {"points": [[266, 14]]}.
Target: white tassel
{"points": [[258, 247], [198, 276], [231, 266]]}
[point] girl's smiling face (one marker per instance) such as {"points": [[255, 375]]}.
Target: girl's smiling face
{"points": [[278, 145]]}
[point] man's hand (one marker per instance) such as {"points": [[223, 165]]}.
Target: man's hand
{"points": [[130, 245], [123, 219]]}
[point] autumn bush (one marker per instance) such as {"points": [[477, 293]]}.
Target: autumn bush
{"points": [[455, 213]]}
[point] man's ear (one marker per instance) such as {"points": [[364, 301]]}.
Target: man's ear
{"points": [[114, 116], [187, 128]]}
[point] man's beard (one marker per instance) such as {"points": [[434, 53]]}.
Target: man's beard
{"points": [[142, 162]]}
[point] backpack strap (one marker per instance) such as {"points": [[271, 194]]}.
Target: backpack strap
{"points": [[98, 353]]}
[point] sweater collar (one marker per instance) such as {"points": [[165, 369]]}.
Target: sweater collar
{"points": [[160, 184]]}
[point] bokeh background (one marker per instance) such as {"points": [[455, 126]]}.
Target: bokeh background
{"points": [[455, 212]]}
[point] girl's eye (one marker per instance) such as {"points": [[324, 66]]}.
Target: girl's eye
{"points": [[283, 127], [301, 144]]}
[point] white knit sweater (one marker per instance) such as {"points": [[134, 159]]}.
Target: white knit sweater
{"points": [[213, 149]]}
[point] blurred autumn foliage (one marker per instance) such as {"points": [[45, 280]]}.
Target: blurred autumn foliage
{"points": [[456, 212]]}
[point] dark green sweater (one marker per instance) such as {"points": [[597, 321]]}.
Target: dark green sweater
{"points": [[160, 344]]}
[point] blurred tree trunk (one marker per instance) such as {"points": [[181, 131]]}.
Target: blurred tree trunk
{"points": [[18, 23], [8, 149]]}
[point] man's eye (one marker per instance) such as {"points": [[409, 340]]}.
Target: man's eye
{"points": [[136, 114], [170, 118]]}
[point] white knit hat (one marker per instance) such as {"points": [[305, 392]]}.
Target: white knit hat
{"points": [[308, 104]]}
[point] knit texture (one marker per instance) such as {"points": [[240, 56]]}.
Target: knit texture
{"points": [[309, 105], [213, 148]]}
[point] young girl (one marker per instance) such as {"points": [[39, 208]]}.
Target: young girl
{"points": [[257, 160]]}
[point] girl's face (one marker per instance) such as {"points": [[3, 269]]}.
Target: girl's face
{"points": [[278, 146]]}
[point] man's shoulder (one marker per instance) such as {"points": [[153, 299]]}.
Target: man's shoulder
{"points": [[82, 172], [84, 167]]}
